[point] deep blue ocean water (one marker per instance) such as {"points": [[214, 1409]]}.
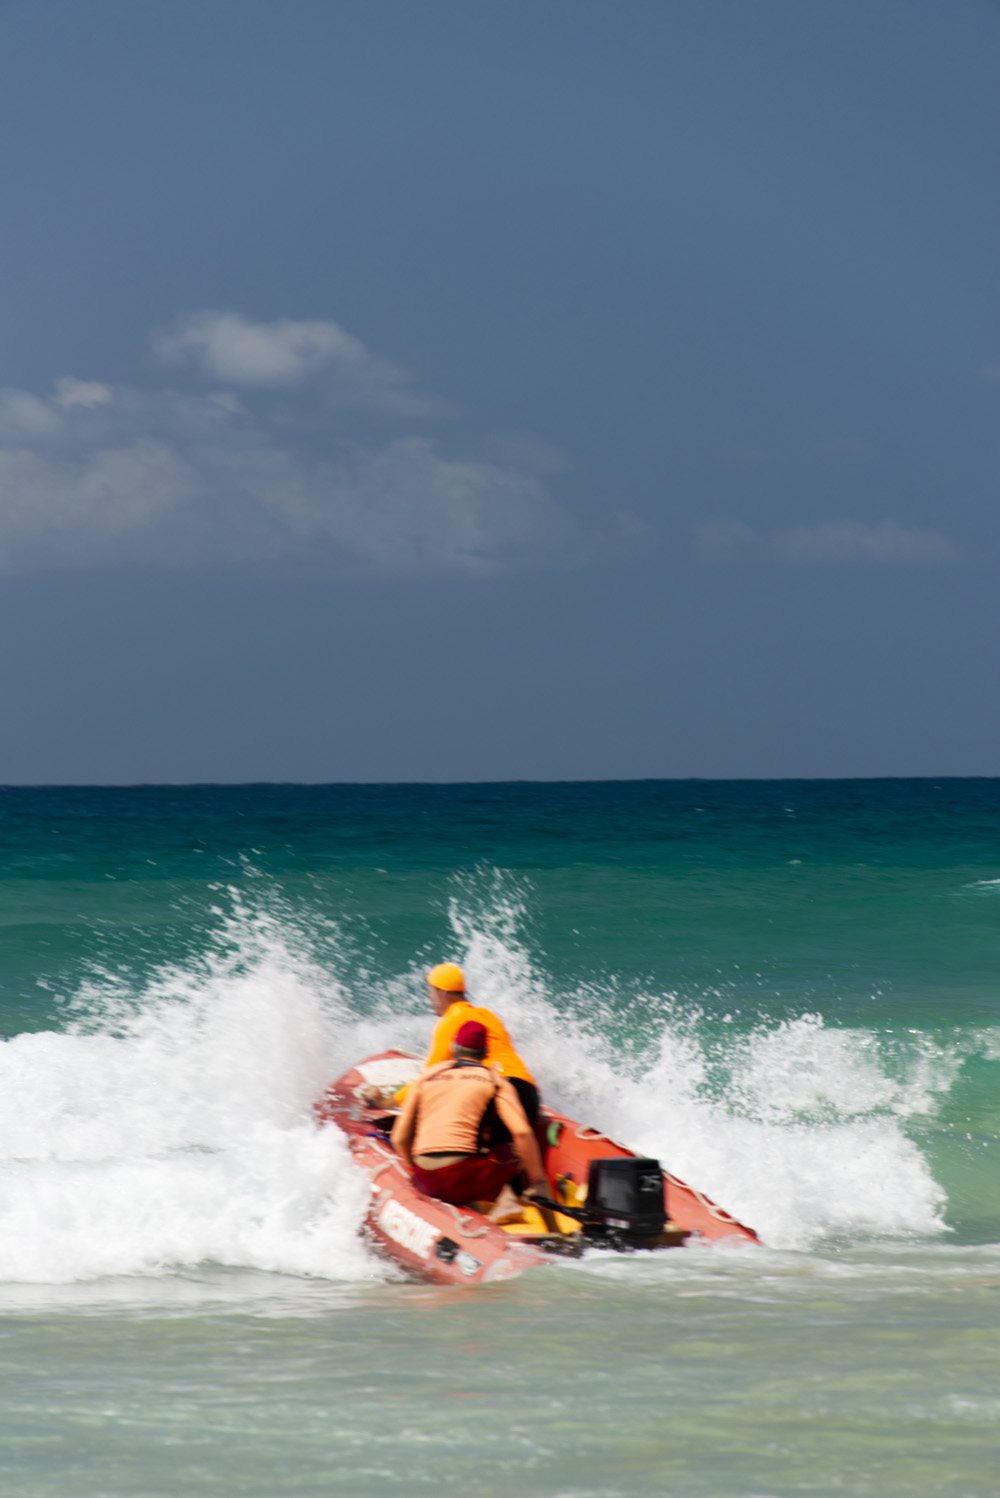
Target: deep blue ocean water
{"points": [[788, 991]]}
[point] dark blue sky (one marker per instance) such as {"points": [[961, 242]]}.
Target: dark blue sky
{"points": [[493, 391]]}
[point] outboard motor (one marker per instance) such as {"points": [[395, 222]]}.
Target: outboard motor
{"points": [[626, 1198]]}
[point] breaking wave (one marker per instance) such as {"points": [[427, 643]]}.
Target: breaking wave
{"points": [[168, 1125]]}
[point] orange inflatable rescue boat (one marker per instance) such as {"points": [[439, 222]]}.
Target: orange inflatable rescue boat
{"points": [[602, 1194]]}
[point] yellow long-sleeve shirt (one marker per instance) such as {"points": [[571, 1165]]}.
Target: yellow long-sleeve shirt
{"points": [[500, 1054]]}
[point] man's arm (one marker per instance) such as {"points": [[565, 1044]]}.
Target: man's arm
{"points": [[522, 1135], [405, 1126]]}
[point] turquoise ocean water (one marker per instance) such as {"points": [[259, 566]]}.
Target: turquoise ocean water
{"points": [[788, 991]]}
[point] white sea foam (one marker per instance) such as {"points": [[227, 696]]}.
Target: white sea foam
{"points": [[171, 1126], [798, 1129]]}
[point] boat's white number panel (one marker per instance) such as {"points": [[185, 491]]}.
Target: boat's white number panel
{"points": [[407, 1229]]}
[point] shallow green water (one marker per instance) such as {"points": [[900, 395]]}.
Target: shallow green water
{"points": [[790, 1380], [788, 992]]}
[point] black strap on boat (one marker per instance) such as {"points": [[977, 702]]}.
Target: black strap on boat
{"points": [[484, 1139], [490, 1118]]}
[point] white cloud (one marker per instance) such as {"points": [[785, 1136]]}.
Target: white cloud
{"points": [[90, 508], [101, 474], [852, 541], [229, 401], [24, 416], [406, 508], [837, 541], [85, 393], [228, 347]]}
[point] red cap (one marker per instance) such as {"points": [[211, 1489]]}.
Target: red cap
{"points": [[471, 1036]]}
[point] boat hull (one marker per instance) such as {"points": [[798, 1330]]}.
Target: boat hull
{"points": [[453, 1245]]}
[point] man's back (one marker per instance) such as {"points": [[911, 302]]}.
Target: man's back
{"points": [[451, 1102], [500, 1052], [446, 1116]]}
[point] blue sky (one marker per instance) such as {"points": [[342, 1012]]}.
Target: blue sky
{"points": [[466, 391]]}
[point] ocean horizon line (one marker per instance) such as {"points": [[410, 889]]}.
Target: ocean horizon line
{"points": [[644, 780]]}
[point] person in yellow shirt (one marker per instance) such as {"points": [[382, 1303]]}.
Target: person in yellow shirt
{"points": [[445, 1130], [446, 989]]}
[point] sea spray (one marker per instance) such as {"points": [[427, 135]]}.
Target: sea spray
{"points": [[171, 1125], [176, 1129], [797, 1128]]}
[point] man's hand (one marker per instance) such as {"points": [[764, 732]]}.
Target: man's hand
{"points": [[535, 1190], [374, 1097]]}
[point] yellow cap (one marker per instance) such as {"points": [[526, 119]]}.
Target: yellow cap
{"points": [[448, 977]]}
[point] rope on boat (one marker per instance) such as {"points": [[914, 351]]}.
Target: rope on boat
{"points": [[719, 1213], [373, 1177], [584, 1131], [389, 1160], [464, 1227]]}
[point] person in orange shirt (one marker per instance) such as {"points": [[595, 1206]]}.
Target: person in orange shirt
{"points": [[446, 989], [444, 1130]]}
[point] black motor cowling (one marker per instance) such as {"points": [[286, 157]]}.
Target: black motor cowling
{"points": [[626, 1198]]}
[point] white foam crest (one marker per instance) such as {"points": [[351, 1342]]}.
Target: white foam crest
{"points": [[797, 1128], [172, 1126], [988, 1041], [177, 1130], [801, 1069], [487, 918]]}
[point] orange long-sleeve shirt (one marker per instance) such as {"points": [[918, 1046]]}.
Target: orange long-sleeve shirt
{"points": [[500, 1053]]}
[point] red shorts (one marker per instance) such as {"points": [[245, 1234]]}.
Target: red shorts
{"points": [[480, 1178]]}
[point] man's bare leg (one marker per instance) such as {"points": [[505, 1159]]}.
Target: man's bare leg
{"points": [[507, 1206]]}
